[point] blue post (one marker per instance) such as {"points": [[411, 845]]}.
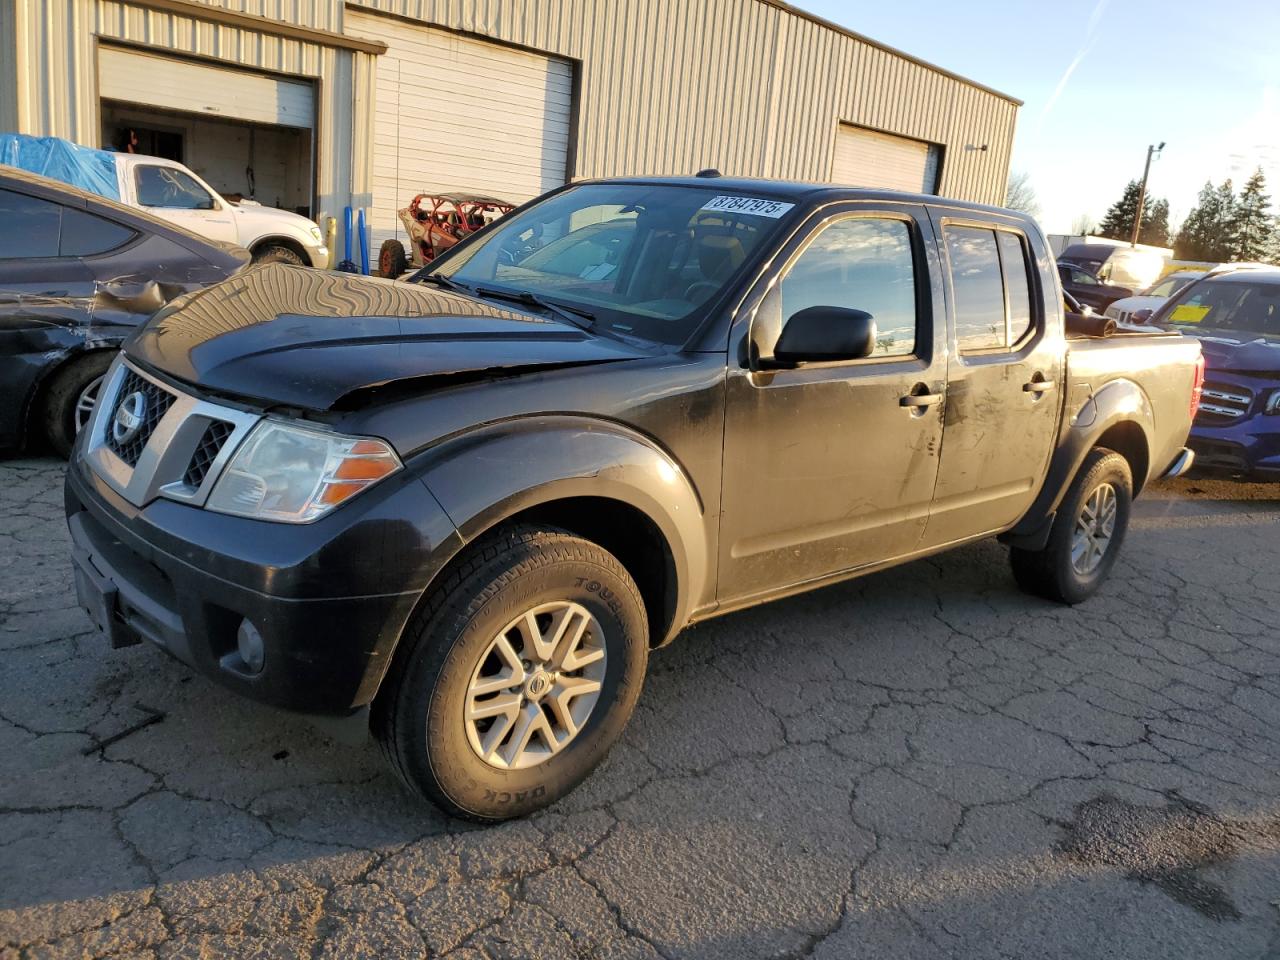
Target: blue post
{"points": [[364, 245]]}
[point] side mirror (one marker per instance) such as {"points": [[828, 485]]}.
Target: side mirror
{"points": [[818, 334]]}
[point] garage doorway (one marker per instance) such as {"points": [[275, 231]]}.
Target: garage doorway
{"points": [[455, 113], [248, 135], [871, 158]]}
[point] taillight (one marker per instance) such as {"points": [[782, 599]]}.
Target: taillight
{"points": [[1197, 387]]}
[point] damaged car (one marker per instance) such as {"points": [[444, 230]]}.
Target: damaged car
{"points": [[459, 512], [78, 273]]}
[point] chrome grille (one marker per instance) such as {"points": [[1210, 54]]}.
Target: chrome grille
{"points": [[1223, 403], [211, 443], [179, 448], [156, 401]]}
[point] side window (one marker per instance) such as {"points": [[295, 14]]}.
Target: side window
{"points": [[862, 263], [31, 226], [1017, 283], [170, 188], [86, 235], [1079, 276], [977, 286]]}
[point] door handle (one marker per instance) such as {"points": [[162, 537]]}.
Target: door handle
{"points": [[1038, 386], [920, 400]]}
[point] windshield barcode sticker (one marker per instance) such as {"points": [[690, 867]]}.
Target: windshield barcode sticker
{"points": [[752, 205]]}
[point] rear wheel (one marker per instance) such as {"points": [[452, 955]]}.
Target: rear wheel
{"points": [[277, 253], [391, 259], [70, 397], [1087, 533], [516, 676]]}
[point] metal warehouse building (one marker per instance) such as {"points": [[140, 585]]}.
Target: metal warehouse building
{"points": [[314, 104]]}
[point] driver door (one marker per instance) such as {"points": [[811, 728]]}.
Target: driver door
{"points": [[174, 195], [831, 466]]}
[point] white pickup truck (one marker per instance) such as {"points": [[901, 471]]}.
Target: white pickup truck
{"points": [[171, 191]]}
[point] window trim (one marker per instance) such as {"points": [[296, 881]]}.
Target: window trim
{"points": [[1033, 287], [139, 167], [923, 294]]}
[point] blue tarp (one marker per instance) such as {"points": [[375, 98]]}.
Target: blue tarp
{"points": [[83, 167]]}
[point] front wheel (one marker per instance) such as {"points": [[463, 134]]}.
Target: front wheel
{"points": [[277, 253], [70, 399], [1087, 533], [517, 675]]}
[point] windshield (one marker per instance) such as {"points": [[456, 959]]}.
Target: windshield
{"points": [[1168, 287], [1230, 305], [639, 258]]}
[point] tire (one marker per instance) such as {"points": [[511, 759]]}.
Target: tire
{"points": [[1052, 572], [277, 253], [392, 261], [64, 409], [448, 649]]}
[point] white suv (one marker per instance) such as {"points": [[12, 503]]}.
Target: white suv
{"points": [[173, 192]]}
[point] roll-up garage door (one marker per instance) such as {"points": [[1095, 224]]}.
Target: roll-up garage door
{"points": [[455, 113], [868, 158], [131, 76]]}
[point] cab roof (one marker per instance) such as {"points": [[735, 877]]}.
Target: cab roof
{"points": [[809, 191]]}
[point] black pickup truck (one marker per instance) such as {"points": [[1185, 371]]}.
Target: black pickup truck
{"points": [[463, 509]]}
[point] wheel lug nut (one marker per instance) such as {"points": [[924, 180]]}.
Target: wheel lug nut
{"points": [[526, 664]]}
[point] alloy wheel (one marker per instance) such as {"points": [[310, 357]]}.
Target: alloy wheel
{"points": [[1095, 527], [535, 685], [86, 401]]}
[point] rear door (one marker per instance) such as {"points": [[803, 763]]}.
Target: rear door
{"points": [[825, 468], [1003, 380]]}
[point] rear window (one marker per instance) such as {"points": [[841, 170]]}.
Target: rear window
{"points": [[35, 228], [991, 286], [87, 235], [31, 226]]}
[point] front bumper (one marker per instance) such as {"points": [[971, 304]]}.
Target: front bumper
{"points": [[330, 598], [1250, 447], [318, 255]]}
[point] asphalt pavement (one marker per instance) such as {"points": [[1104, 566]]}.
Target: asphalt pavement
{"points": [[923, 763]]}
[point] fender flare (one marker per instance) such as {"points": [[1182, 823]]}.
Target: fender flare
{"points": [[1118, 402], [485, 476]]}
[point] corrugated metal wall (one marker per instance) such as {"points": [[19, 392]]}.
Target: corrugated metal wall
{"points": [[738, 84], [665, 86]]}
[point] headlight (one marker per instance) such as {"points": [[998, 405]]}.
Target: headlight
{"points": [[295, 474], [1273, 403], [316, 235]]}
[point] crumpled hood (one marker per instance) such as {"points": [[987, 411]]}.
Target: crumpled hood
{"points": [[1235, 352], [292, 336]]}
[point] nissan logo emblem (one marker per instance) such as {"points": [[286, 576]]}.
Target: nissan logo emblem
{"points": [[129, 417]]}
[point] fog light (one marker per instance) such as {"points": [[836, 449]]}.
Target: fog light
{"points": [[249, 643]]}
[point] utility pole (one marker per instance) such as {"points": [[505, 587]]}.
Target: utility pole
{"points": [[1152, 151]]}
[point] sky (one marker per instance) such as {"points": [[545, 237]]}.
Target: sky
{"points": [[1103, 79]]}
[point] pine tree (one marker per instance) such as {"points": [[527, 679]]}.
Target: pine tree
{"points": [[1251, 223], [1206, 234], [1155, 224], [1118, 223]]}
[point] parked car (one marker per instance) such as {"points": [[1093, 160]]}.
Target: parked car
{"points": [[1138, 309], [1236, 317], [170, 191], [77, 274], [1087, 288], [434, 223], [463, 510], [1122, 266]]}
